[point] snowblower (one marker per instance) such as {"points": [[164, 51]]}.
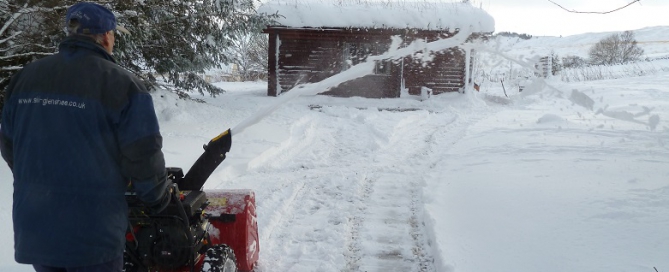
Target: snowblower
{"points": [[199, 230]]}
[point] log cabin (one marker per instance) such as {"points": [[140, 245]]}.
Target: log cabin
{"points": [[311, 41]]}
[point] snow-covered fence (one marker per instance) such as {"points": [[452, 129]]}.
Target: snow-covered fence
{"points": [[599, 72], [491, 66], [544, 66]]}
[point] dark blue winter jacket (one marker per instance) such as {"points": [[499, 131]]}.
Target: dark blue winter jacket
{"points": [[76, 128]]}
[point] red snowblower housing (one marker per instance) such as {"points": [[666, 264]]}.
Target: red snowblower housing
{"points": [[208, 231]]}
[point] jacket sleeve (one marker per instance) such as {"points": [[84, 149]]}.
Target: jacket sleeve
{"points": [[142, 160], [6, 149], [6, 145]]}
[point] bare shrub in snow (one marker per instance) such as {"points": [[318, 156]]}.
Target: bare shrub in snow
{"points": [[571, 61], [600, 72], [616, 49], [249, 53], [556, 65]]}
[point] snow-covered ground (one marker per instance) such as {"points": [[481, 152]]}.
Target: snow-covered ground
{"points": [[651, 39], [573, 177]]}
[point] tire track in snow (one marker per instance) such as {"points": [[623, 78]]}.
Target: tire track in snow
{"points": [[292, 243], [422, 245], [448, 129], [392, 234], [360, 197], [354, 224], [441, 141], [392, 229], [286, 208], [386, 243], [284, 198], [282, 217]]}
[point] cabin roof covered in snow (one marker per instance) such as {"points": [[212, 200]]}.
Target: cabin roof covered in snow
{"points": [[418, 15]]}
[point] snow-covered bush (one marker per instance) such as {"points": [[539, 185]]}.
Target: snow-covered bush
{"points": [[616, 49], [599, 72], [571, 61]]}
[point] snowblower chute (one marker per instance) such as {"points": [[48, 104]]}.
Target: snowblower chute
{"points": [[208, 231]]}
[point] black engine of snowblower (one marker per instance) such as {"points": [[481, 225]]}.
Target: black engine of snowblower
{"points": [[171, 239]]}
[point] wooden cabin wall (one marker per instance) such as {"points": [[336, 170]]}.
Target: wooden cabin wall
{"points": [[384, 82], [370, 86], [300, 60], [303, 61], [446, 73], [313, 55]]}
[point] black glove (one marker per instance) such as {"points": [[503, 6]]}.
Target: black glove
{"points": [[164, 201]]}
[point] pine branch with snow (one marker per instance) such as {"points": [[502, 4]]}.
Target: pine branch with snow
{"points": [[173, 40]]}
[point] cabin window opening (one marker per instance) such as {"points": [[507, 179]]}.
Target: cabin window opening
{"points": [[382, 67], [357, 52]]}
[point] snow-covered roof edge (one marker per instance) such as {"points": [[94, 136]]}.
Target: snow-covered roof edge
{"points": [[418, 15]]}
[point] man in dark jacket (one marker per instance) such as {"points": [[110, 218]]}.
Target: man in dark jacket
{"points": [[76, 129]]}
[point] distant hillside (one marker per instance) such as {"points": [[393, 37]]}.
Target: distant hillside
{"points": [[492, 68], [654, 41]]}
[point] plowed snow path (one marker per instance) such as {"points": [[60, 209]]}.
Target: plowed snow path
{"points": [[359, 203]]}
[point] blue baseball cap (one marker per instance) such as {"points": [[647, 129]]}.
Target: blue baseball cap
{"points": [[93, 18]]}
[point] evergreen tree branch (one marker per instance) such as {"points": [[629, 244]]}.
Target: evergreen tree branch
{"points": [[29, 54], [178, 39], [10, 37], [11, 20]]}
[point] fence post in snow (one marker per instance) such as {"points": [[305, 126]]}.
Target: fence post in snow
{"points": [[425, 93], [468, 61]]}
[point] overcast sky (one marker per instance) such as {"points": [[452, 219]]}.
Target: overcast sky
{"points": [[541, 17]]}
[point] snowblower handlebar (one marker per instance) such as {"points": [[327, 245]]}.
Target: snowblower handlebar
{"points": [[214, 154]]}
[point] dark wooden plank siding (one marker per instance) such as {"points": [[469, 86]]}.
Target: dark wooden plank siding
{"points": [[311, 55], [271, 65], [446, 73], [307, 60], [370, 86]]}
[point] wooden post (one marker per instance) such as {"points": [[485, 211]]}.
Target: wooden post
{"points": [[272, 78], [468, 54]]}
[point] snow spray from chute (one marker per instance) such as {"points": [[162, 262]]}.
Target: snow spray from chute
{"points": [[356, 71], [216, 149]]}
